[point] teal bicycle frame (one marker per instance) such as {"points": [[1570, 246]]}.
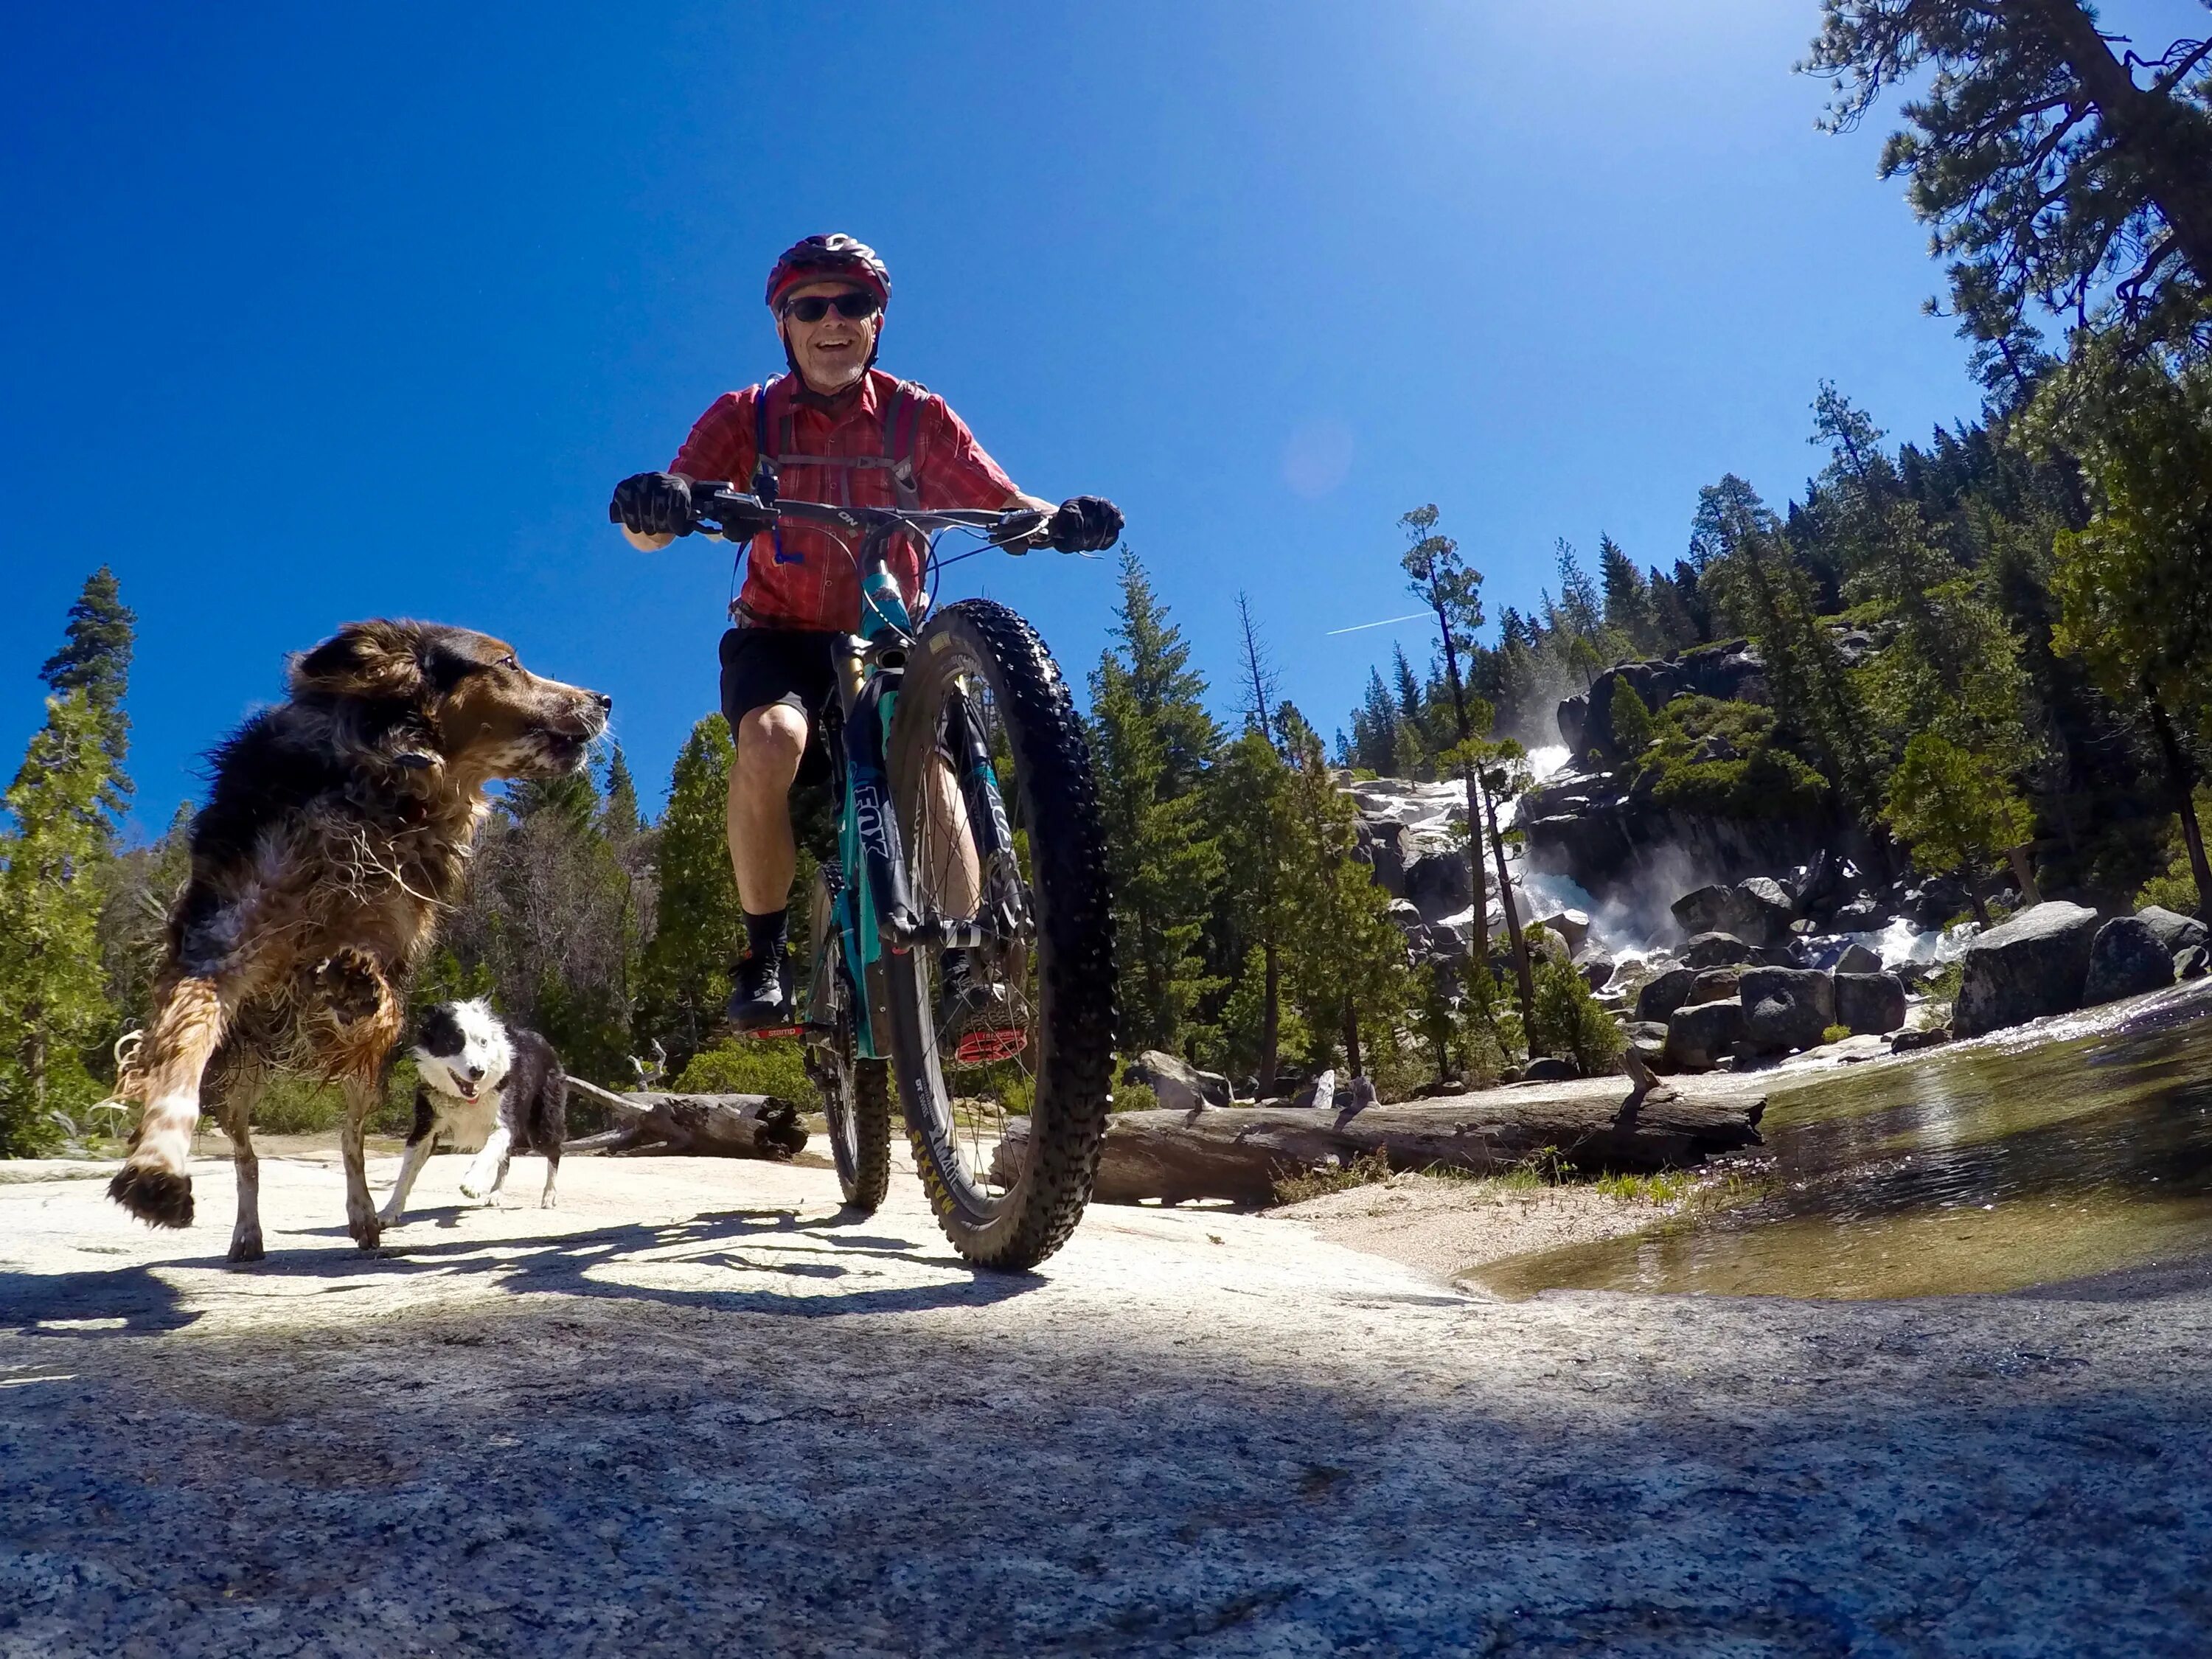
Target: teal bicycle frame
{"points": [[868, 889]]}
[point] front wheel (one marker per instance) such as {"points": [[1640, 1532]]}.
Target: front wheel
{"points": [[986, 737]]}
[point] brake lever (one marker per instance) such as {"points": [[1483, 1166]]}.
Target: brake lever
{"points": [[1018, 538]]}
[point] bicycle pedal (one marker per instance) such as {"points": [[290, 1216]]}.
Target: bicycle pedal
{"points": [[989, 1047]]}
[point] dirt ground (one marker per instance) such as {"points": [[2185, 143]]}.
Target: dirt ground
{"points": [[697, 1410], [1446, 1226]]}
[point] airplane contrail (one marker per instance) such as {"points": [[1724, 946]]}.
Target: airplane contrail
{"points": [[1385, 623]]}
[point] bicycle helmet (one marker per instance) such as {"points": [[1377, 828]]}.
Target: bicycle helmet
{"points": [[819, 259]]}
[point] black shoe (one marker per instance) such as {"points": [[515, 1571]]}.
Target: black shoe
{"points": [[975, 1016], [762, 998]]}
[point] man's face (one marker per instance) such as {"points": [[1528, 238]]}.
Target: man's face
{"points": [[833, 352]]}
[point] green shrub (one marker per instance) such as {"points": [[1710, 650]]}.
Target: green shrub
{"points": [[1364, 1171], [1632, 726], [1763, 781], [1835, 1033], [1943, 988], [297, 1106], [752, 1066], [2176, 890], [1569, 1021], [1134, 1097]]}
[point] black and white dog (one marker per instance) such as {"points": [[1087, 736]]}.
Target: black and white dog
{"points": [[488, 1086]]}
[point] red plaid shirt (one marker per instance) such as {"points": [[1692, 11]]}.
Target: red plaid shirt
{"points": [[812, 582]]}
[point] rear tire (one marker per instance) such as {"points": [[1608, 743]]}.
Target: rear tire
{"points": [[856, 1096], [1001, 1210]]}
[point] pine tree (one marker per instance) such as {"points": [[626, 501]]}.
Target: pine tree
{"points": [[2134, 587], [1164, 866], [1171, 694], [1346, 962], [53, 1003], [1739, 546], [139, 885], [2050, 173], [1249, 804], [1955, 810], [1452, 590], [699, 922], [621, 813], [1628, 610], [95, 659], [1373, 744], [1582, 606]]}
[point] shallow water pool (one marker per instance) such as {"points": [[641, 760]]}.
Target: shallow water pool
{"points": [[1989, 1167]]}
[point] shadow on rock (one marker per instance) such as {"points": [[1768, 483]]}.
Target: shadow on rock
{"points": [[763, 1242], [89, 1304]]}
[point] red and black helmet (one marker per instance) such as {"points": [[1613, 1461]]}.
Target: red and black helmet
{"points": [[820, 259]]}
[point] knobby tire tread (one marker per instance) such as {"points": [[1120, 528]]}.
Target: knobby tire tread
{"points": [[872, 1131], [1068, 852]]}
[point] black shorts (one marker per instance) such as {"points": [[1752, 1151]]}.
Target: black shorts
{"points": [[789, 666]]}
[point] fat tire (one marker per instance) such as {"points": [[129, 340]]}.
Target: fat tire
{"points": [[1074, 943], [869, 1160], [863, 1158]]}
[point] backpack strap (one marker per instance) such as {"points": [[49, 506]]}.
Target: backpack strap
{"points": [[902, 417], [765, 469]]}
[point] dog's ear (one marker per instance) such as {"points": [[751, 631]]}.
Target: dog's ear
{"points": [[376, 661]]}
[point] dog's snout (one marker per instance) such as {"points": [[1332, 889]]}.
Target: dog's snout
{"points": [[476, 1074], [604, 702]]}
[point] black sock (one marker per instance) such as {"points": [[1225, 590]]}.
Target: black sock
{"points": [[767, 936]]}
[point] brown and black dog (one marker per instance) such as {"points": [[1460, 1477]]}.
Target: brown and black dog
{"points": [[336, 837]]}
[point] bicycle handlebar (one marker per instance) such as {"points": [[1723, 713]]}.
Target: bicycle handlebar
{"points": [[725, 509]]}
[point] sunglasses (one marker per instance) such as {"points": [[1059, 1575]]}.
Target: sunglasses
{"points": [[814, 308]]}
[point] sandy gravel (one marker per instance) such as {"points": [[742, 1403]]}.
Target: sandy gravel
{"points": [[1444, 1227], [696, 1411]]}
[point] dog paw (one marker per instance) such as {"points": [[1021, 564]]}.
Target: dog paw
{"points": [[246, 1247], [365, 1230], [351, 985], [154, 1196], [472, 1193], [387, 1218]]}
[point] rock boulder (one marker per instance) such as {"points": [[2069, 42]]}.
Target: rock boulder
{"points": [[1757, 911], [1786, 1009], [1715, 985], [2034, 965], [1572, 925], [1714, 950], [1662, 995], [1763, 901], [2175, 930], [2126, 958], [1857, 959], [1178, 1084], [1700, 1038], [1870, 1004], [1438, 884]]}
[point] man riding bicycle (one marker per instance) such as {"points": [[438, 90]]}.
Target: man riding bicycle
{"points": [[834, 428]]}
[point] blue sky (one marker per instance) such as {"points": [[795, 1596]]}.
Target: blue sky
{"points": [[319, 313]]}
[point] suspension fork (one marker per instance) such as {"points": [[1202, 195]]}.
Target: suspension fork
{"points": [[1001, 905]]}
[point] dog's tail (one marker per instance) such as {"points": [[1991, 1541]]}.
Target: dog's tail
{"points": [[164, 1069]]}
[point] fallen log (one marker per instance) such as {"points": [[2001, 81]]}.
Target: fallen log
{"points": [[1240, 1152], [695, 1125]]}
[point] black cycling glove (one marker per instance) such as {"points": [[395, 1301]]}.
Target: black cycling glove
{"points": [[1084, 524], [655, 504]]}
